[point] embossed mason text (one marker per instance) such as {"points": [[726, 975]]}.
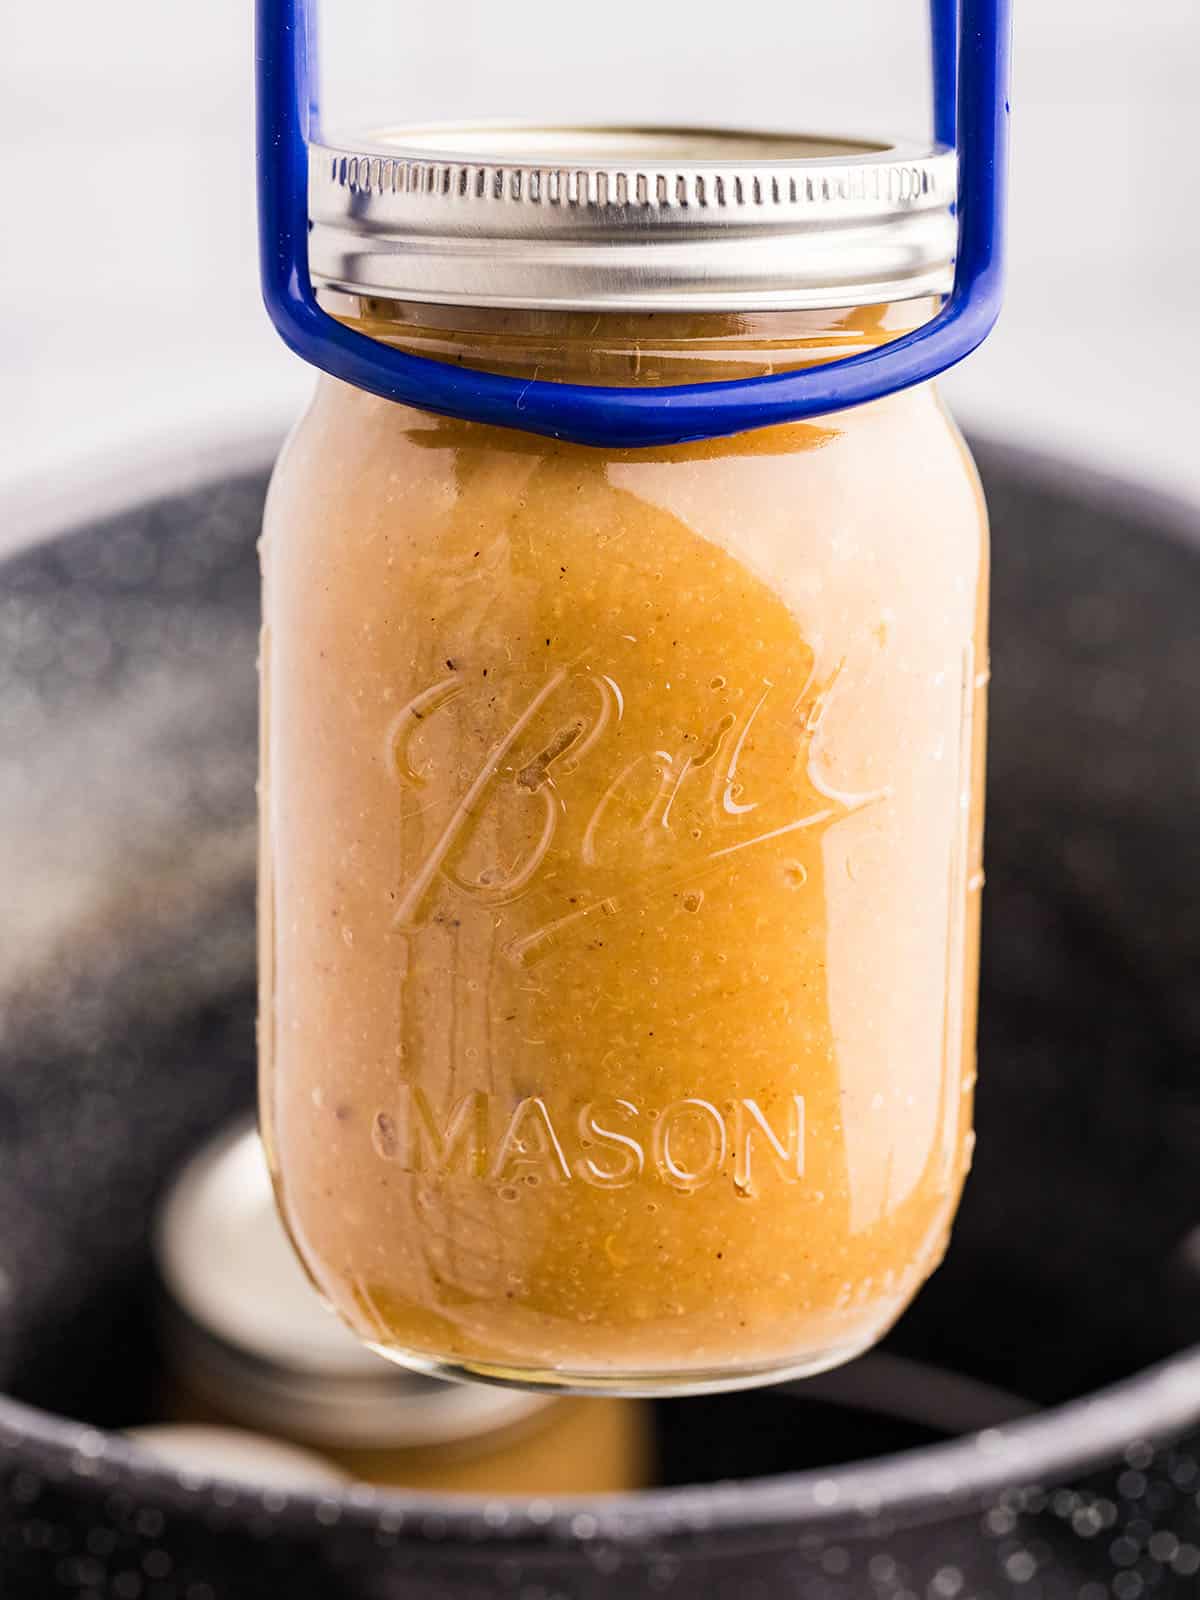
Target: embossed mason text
{"points": [[606, 1143]]}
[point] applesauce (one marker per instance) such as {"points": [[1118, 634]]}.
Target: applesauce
{"points": [[621, 830]]}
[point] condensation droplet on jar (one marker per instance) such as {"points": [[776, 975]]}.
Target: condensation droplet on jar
{"points": [[384, 1136]]}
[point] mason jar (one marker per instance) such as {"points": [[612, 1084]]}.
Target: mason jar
{"points": [[622, 807], [251, 1365]]}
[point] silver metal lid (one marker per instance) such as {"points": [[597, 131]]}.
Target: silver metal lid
{"points": [[249, 1334], [631, 219], [198, 1450]]}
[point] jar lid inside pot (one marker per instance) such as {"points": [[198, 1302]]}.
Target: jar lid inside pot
{"points": [[248, 1334], [630, 219]]}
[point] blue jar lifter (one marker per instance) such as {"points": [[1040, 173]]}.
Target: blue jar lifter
{"points": [[971, 42]]}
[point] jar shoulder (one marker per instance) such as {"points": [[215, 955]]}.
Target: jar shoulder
{"points": [[890, 482]]}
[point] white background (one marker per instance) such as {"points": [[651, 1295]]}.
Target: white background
{"points": [[130, 326]]}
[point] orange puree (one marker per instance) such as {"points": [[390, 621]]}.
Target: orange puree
{"points": [[580, 1447], [621, 829]]}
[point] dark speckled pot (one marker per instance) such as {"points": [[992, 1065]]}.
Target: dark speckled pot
{"points": [[127, 713]]}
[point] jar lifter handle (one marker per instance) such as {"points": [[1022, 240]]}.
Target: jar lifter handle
{"points": [[970, 97]]}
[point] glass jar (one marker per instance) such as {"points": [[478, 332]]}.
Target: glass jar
{"points": [[621, 830], [258, 1380]]}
